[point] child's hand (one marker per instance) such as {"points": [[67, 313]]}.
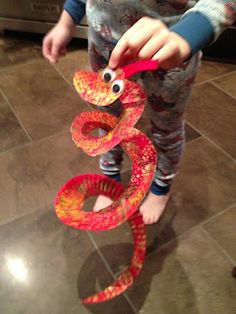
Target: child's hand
{"points": [[150, 39], [55, 42]]}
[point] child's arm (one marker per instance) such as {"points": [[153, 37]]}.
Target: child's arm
{"points": [[151, 39], [55, 42]]}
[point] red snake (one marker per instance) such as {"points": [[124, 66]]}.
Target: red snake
{"points": [[102, 89]]}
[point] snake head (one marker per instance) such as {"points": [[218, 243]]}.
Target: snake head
{"points": [[104, 87], [100, 88]]}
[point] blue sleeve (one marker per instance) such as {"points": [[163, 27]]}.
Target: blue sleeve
{"points": [[76, 9], [196, 29]]}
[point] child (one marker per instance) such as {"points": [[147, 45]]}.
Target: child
{"points": [[171, 31]]}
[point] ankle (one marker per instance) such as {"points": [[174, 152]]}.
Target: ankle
{"points": [[160, 190]]}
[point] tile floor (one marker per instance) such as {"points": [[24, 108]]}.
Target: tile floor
{"points": [[46, 267]]}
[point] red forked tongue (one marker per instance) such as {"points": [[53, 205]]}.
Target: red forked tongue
{"points": [[140, 66]]}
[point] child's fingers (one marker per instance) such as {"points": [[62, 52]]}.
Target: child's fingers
{"points": [[167, 55], [138, 25], [48, 49], [127, 57], [116, 55], [47, 43], [137, 37], [134, 43], [154, 44], [124, 43], [55, 52]]}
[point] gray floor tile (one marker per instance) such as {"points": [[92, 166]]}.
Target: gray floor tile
{"points": [[11, 132], [73, 61], [190, 275], [213, 113], [15, 50], [47, 267], [222, 229], [209, 70], [44, 102], [227, 83], [31, 176]]}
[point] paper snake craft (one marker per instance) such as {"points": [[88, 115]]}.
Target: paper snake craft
{"points": [[102, 89]]}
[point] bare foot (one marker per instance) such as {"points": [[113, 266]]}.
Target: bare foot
{"points": [[153, 207], [102, 201]]}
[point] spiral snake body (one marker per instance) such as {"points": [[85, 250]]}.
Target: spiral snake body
{"points": [[102, 89]]}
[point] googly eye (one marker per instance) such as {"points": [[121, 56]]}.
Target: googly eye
{"points": [[117, 86], [108, 75]]}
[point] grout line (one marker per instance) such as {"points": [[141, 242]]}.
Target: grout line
{"points": [[33, 142], [26, 214], [44, 138], [189, 230], [223, 90], [211, 141], [217, 214], [19, 65], [110, 271], [194, 139], [221, 249], [175, 239], [16, 115], [62, 75], [101, 255], [215, 78], [15, 148], [69, 83]]}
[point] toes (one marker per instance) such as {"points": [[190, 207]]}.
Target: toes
{"points": [[150, 219], [147, 219]]}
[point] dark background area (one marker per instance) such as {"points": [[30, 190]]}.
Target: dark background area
{"points": [[224, 49]]}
